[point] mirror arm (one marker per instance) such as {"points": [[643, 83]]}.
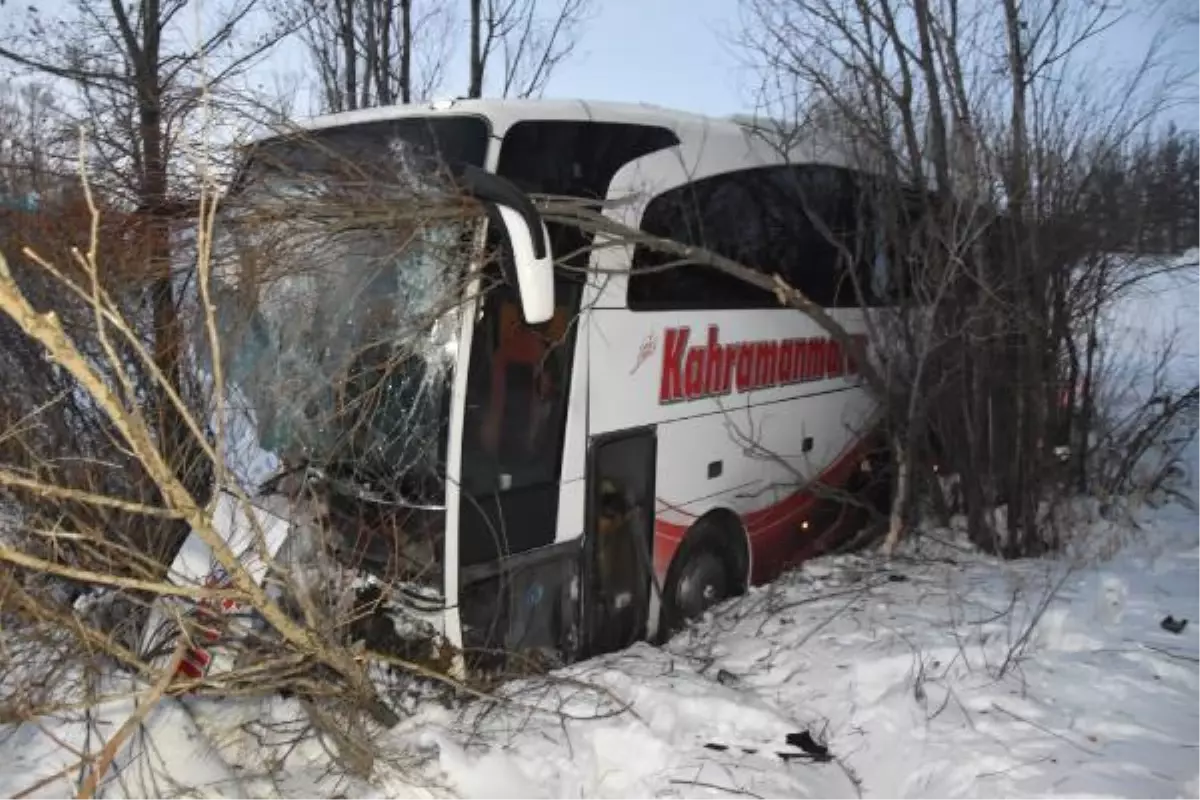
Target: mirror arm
{"points": [[492, 188]]}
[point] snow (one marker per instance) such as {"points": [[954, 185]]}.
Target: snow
{"points": [[939, 672], [898, 666], [1157, 310], [902, 680]]}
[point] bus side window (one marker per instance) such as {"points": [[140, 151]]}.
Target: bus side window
{"points": [[802, 221]]}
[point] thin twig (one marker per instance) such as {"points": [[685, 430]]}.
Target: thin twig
{"points": [[715, 787], [1044, 729]]}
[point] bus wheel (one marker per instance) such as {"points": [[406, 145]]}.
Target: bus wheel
{"points": [[700, 581], [703, 582]]}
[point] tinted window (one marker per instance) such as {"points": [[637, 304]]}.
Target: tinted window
{"points": [[808, 223], [575, 158], [374, 149]]}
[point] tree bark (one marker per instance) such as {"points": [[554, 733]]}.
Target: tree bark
{"points": [[475, 89], [406, 44]]}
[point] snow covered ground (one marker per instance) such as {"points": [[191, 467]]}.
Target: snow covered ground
{"points": [[941, 672], [900, 670]]}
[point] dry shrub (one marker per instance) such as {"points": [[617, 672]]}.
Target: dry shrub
{"points": [[110, 455]]}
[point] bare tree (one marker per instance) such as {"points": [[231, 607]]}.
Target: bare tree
{"points": [[375, 52], [33, 143], [981, 124], [138, 89], [526, 38], [381, 52]]}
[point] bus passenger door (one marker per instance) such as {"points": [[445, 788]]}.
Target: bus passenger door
{"points": [[617, 548], [513, 573]]}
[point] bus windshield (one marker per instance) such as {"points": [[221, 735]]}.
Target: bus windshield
{"points": [[343, 286]]}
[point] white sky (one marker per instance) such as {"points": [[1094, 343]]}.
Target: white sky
{"points": [[681, 54], [676, 53]]}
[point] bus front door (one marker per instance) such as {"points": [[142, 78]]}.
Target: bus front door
{"points": [[617, 548]]}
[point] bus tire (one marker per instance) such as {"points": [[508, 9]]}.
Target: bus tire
{"points": [[702, 574]]}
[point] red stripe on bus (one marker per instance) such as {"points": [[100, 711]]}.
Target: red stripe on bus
{"points": [[775, 541]]}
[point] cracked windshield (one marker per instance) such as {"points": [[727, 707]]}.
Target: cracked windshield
{"points": [[347, 267]]}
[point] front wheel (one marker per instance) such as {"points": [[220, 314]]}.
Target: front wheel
{"points": [[701, 581]]}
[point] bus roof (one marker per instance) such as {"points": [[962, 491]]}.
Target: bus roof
{"points": [[504, 112], [808, 144]]}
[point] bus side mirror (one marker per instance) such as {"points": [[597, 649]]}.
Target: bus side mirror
{"points": [[533, 259], [534, 274]]}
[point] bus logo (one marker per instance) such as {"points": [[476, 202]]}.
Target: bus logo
{"points": [[649, 344], [715, 369]]}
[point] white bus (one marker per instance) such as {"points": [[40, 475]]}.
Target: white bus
{"points": [[597, 450]]}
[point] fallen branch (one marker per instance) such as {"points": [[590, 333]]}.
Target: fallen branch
{"points": [[148, 702]]}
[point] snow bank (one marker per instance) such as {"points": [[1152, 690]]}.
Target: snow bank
{"points": [[941, 673], [169, 757]]}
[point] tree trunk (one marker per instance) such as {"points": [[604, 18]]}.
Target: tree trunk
{"points": [[375, 63], [180, 451], [349, 54], [901, 457], [406, 44], [476, 75]]}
